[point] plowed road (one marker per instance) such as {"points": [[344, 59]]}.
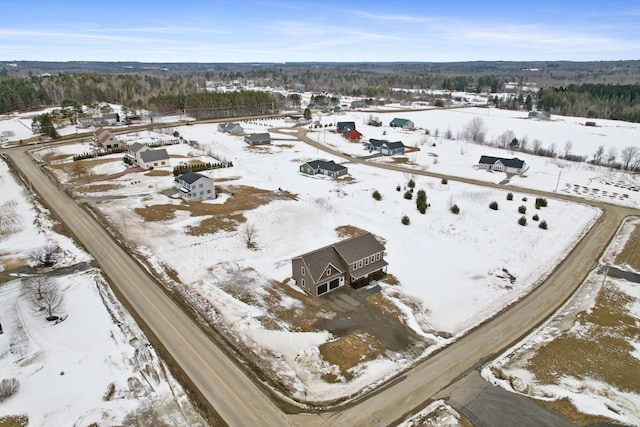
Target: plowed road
{"points": [[237, 398]]}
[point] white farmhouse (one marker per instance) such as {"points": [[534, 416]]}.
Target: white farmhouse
{"points": [[194, 186]]}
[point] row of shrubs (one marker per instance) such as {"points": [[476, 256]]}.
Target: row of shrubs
{"points": [[98, 153], [197, 167]]}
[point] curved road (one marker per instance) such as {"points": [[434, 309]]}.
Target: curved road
{"points": [[238, 399]]}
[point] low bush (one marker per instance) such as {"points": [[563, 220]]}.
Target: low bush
{"points": [[406, 220], [377, 195], [455, 209], [543, 225], [493, 205], [509, 196], [522, 221], [8, 387], [522, 209]]}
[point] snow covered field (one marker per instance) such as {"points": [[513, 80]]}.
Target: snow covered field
{"points": [[96, 366], [447, 276], [454, 271]]}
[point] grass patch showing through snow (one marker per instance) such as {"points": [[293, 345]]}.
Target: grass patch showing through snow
{"points": [[598, 348], [158, 172], [630, 254], [347, 231], [349, 351], [14, 420], [565, 408], [99, 188], [221, 217]]}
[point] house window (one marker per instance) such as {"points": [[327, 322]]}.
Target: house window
{"points": [[378, 257], [355, 265], [373, 258], [208, 191], [302, 270], [201, 185], [303, 283], [366, 261], [328, 272], [360, 264]]}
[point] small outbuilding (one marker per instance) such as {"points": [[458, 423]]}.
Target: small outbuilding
{"points": [[402, 123]]}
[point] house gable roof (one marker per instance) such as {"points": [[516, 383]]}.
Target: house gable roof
{"points": [[324, 165], [154, 155], [342, 126], [358, 247], [319, 260], [510, 163], [395, 145], [135, 147], [259, 136], [191, 177], [392, 145], [399, 122]]}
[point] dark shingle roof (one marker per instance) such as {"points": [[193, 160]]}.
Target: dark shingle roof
{"points": [[346, 125], [154, 155], [379, 143], [190, 177], [135, 147], [511, 163], [318, 261], [398, 122], [259, 136], [358, 247], [395, 145], [324, 165]]}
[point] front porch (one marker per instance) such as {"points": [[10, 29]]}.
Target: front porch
{"points": [[365, 280]]}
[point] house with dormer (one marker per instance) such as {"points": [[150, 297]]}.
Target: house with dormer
{"points": [[329, 168], [354, 262]]}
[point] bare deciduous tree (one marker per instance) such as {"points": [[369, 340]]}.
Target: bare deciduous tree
{"points": [[553, 149], [249, 233], [568, 146], [505, 139], [536, 146], [598, 155], [628, 155], [44, 256], [475, 131], [524, 142], [612, 153], [44, 294]]}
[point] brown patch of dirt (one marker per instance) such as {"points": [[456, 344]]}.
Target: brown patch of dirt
{"points": [[227, 179], [285, 145], [157, 212], [350, 350], [400, 161], [11, 263], [347, 231], [630, 254], [565, 408], [226, 216], [390, 279], [386, 306], [158, 172], [99, 188], [600, 350], [51, 157], [411, 149]]}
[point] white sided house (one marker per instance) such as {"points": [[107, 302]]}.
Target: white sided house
{"points": [[145, 157], [329, 168], [105, 139], [355, 261], [194, 186], [513, 166]]}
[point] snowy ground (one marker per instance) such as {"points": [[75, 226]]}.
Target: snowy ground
{"points": [[589, 393], [65, 369], [440, 296], [446, 298]]}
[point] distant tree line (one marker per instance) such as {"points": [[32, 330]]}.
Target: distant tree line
{"points": [[217, 105], [603, 101]]}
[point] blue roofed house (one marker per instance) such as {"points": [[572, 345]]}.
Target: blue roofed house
{"points": [[343, 127], [385, 147], [329, 168], [402, 123], [194, 186], [513, 166]]}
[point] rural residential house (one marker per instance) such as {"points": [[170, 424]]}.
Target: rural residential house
{"points": [[355, 262], [353, 135], [105, 139], [145, 157], [329, 168], [402, 123], [258, 138], [385, 147], [230, 127], [513, 166], [194, 186], [342, 127]]}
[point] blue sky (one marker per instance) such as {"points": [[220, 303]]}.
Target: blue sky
{"points": [[343, 31]]}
